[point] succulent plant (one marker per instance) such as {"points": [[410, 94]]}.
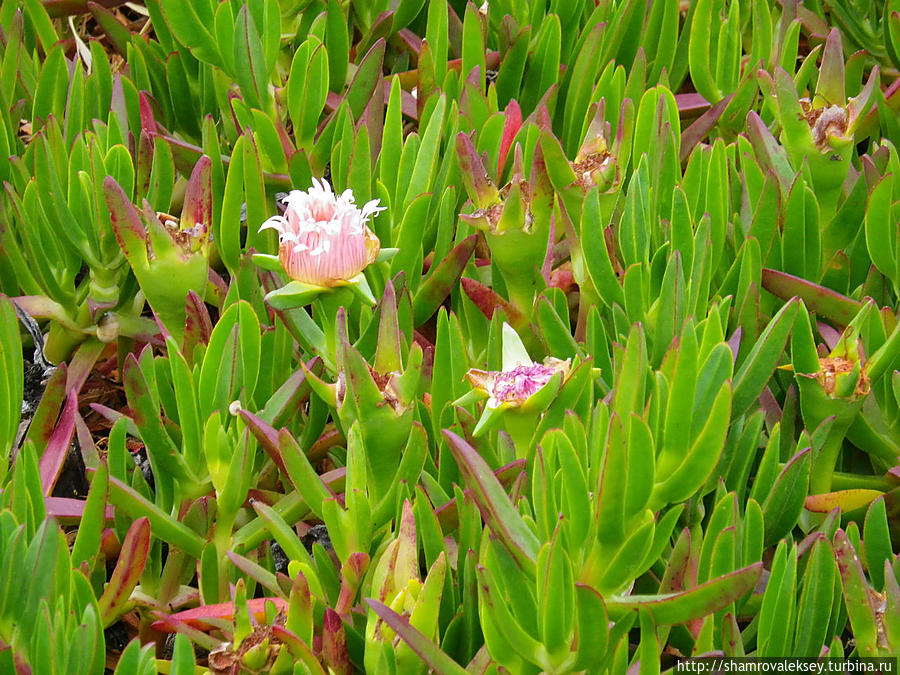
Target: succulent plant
{"points": [[422, 336]]}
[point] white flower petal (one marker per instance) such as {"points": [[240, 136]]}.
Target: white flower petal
{"points": [[274, 223]]}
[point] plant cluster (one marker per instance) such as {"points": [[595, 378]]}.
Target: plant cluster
{"points": [[406, 336]]}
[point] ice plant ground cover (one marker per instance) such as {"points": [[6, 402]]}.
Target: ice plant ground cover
{"points": [[407, 336]]}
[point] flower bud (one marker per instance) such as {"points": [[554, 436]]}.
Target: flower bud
{"points": [[600, 155], [820, 130], [169, 256]]}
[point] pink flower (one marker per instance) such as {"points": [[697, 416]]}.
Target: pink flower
{"points": [[522, 389], [513, 388], [324, 239]]}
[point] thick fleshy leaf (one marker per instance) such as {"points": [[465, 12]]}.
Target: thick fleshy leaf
{"points": [[877, 537], [197, 326], [118, 34], [500, 612], [856, 596], [266, 435], [488, 301], [223, 610], [679, 484], [769, 153], [823, 301], [755, 371], [57, 450], [299, 649], [511, 125], [784, 504], [126, 223], [777, 614], [845, 500], [334, 644], [479, 187], [164, 526], [69, 511], [162, 451], [248, 59], [493, 502], [442, 279], [256, 572], [695, 133], [192, 28], [448, 512], [692, 604], [830, 83], [198, 198], [816, 598], [128, 571], [437, 660], [93, 518]]}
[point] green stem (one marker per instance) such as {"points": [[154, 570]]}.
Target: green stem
{"points": [[816, 406], [222, 540], [520, 427], [882, 449], [325, 309], [521, 292], [828, 205], [306, 332], [853, 481], [61, 342], [824, 462]]}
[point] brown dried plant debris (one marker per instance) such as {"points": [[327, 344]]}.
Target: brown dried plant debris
{"points": [[585, 168], [831, 120], [223, 659], [831, 367]]}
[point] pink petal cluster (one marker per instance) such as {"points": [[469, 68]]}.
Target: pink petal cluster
{"points": [[520, 382], [324, 238], [515, 386]]}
